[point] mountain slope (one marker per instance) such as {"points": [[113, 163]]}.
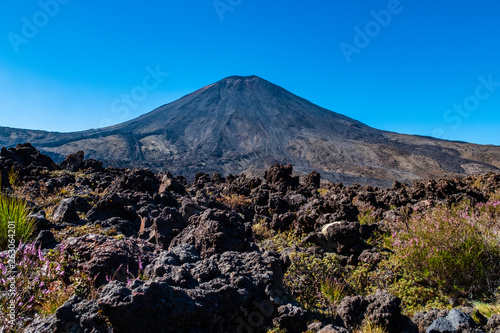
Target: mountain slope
{"points": [[246, 124]]}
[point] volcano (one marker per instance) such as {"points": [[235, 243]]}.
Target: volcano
{"points": [[245, 124]]}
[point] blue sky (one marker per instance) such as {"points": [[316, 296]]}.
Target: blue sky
{"points": [[410, 66]]}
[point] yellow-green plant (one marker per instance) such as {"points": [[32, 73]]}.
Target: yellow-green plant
{"points": [[369, 327], [487, 309], [367, 215], [261, 231], [305, 276], [15, 223], [13, 177], [334, 291]]}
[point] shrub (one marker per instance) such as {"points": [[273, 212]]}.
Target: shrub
{"points": [[456, 249], [305, 277], [367, 215], [369, 327], [13, 177], [235, 201], [261, 230], [487, 309], [333, 291], [283, 240], [322, 191], [14, 215], [34, 283], [276, 330]]}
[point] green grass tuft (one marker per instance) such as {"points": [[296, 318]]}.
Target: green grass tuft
{"points": [[14, 217]]}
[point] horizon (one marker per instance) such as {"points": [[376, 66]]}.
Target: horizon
{"points": [[411, 67]]}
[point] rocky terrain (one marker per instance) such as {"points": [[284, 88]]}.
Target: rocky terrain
{"points": [[246, 124], [150, 252]]}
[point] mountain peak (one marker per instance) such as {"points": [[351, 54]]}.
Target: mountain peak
{"points": [[239, 77], [246, 123], [244, 81]]}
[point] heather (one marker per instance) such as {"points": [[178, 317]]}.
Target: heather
{"points": [[456, 249], [35, 283]]}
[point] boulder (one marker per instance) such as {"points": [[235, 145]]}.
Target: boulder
{"points": [[162, 228], [91, 165], [313, 180], [123, 205], [291, 318], [75, 316], [136, 180], [342, 237], [216, 231], [27, 155], [281, 177], [333, 329], [213, 296], [456, 321], [66, 211], [172, 185], [73, 162], [106, 258], [45, 240], [424, 319], [382, 309]]}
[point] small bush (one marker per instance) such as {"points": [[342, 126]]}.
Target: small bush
{"points": [[369, 327], [322, 191], [235, 201], [487, 309], [34, 283], [262, 231], [13, 177], [276, 330], [305, 277], [333, 291], [14, 218], [368, 215], [456, 249], [283, 240], [411, 287]]}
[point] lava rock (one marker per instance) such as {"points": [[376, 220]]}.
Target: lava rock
{"points": [[281, 177], [333, 329], [171, 184], [493, 324], [28, 156], [91, 165], [66, 211], [136, 180], [106, 258], [73, 162], [223, 286], [291, 318], [216, 231], [381, 309], [342, 237], [456, 321], [313, 180], [162, 228], [75, 316], [45, 240]]}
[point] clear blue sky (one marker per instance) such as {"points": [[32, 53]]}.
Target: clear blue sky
{"points": [[68, 68]]}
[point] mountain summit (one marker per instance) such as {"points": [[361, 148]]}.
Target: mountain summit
{"points": [[244, 124]]}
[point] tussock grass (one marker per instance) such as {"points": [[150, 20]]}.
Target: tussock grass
{"points": [[14, 217]]}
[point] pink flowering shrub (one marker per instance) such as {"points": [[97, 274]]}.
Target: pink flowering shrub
{"points": [[456, 249], [29, 283]]}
